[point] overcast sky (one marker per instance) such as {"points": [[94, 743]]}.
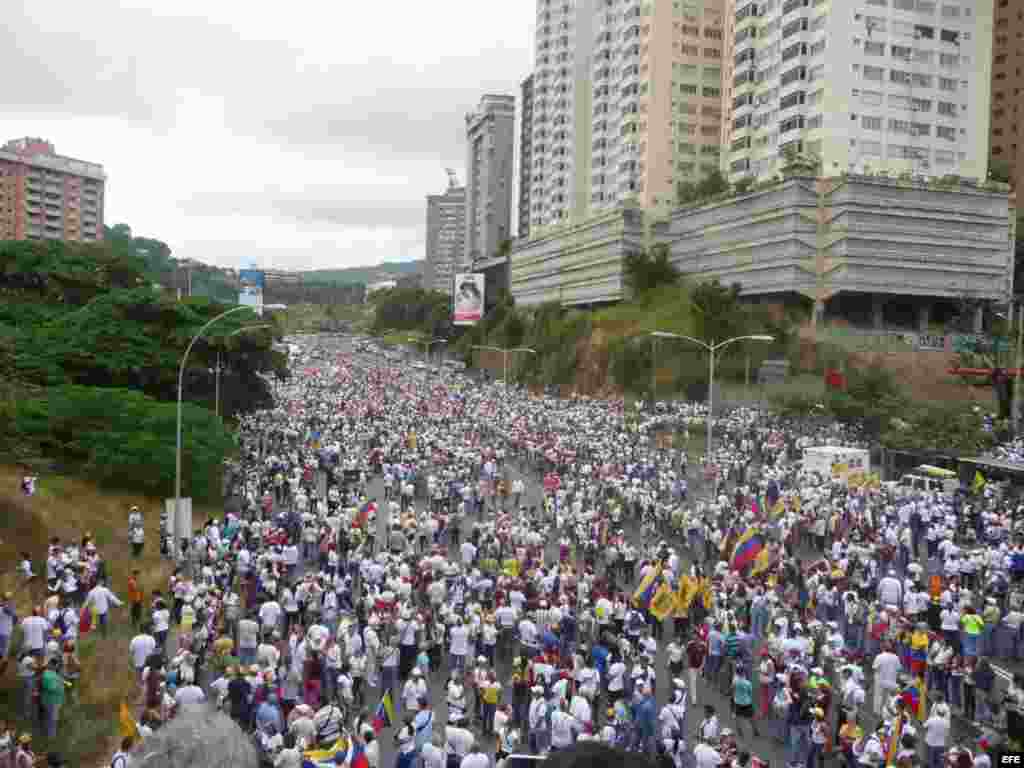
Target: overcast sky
{"points": [[295, 135]]}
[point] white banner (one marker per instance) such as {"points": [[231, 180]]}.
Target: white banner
{"points": [[468, 299]]}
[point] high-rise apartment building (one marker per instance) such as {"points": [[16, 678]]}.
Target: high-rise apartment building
{"points": [[446, 237], [559, 184], [45, 196], [1007, 84], [627, 103], [490, 143], [525, 155], [657, 93], [874, 85]]}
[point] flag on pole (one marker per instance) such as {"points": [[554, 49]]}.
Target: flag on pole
{"points": [[894, 741], [385, 714]]}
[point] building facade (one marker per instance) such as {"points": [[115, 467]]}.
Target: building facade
{"points": [[578, 264], [1007, 84], [657, 92], [46, 196], [525, 155], [490, 142], [559, 182], [858, 246], [446, 237], [897, 85]]}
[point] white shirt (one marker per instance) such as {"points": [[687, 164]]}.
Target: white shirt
{"points": [[936, 731], [432, 756], [459, 741], [888, 667], [562, 727], [475, 760], [34, 629], [100, 598], [706, 757], [140, 648]]}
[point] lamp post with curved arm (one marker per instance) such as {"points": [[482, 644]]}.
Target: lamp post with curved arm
{"points": [[427, 344], [177, 450], [504, 351], [712, 347]]}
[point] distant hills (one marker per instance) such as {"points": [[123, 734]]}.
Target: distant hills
{"points": [[363, 275]]}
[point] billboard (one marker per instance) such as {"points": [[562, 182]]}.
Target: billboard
{"points": [[468, 299], [250, 289]]}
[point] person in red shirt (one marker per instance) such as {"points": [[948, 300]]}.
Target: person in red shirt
{"points": [[696, 652]]}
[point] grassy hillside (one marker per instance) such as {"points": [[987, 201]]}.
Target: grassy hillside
{"points": [[362, 274], [68, 508]]}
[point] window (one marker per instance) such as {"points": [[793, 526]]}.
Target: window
{"points": [[711, 93], [797, 73], [712, 53], [871, 98], [949, 60], [947, 109], [950, 36], [942, 132], [899, 126], [920, 129], [818, 48], [899, 102], [879, 3], [902, 52], [951, 11], [874, 49], [903, 5], [874, 74], [792, 100], [944, 157], [687, 149], [922, 32], [947, 84], [921, 105], [712, 74], [794, 123], [923, 57], [689, 90], [871, 123], [899, 76], [926, 6], [921, 81]]}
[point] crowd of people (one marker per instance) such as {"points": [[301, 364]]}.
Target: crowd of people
{"points": [[441, 572]]}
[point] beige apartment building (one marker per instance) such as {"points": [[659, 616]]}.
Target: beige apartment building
{"points": [[627, 104]]}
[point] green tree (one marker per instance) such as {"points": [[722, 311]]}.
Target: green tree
{"points": [[649, 269], [999, 170], [719, 314]]}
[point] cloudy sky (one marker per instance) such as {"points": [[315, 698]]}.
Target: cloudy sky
{"points": [[295, 135]]}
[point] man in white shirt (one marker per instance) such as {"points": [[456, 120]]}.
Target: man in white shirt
{"points": [[141, 646], [458, 742], [706, 756], [475, 759], [936, 734], [101, 598], [432, 752], [33, 630], [564, 727], [189, 695], [887, 667]]}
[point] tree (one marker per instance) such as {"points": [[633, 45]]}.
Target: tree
{"points": [[712, 185], [719, 314], [649, 269], [999, 170]]}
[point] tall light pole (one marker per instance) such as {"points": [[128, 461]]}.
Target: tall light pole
{"points": [[504, 351], [216, 389], [181, 380], [711, 347]]}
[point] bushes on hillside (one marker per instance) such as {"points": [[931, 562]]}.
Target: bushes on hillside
{"points": [[124, 439]]}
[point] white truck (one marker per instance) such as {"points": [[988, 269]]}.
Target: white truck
{"points": [[836, 461]]}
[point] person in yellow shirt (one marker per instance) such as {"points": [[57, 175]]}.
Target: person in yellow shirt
{"points": [[971, 625]]}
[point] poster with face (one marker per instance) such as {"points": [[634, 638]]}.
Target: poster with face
{"points": [[468, 299]]}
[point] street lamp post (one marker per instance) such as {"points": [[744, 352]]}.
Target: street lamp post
{"points": [[181, 384], [504, 351], [216, 388], [712, 348]]}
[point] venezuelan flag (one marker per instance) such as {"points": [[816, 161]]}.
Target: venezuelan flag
{"points": [[314, 757], [646, 589], [894, 741], [761, 563], [747, 548], [913, 700]]}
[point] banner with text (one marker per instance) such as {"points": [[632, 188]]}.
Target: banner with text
{"points": [[250, 289]]}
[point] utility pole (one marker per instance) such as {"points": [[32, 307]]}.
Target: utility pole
{"points": [[1015, 408]]}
